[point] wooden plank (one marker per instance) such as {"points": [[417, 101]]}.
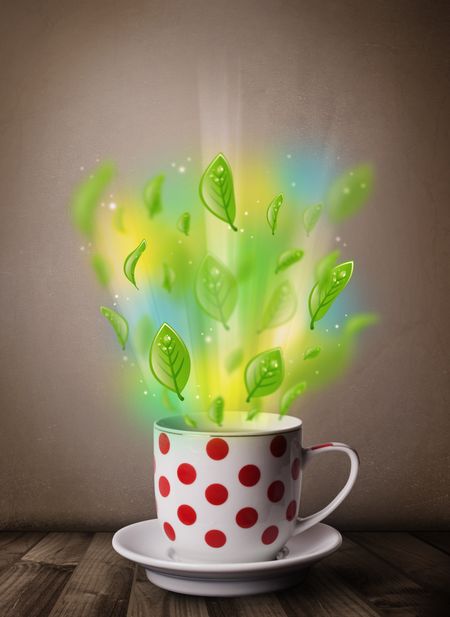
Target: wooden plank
{"points": [[29, 589], [438, 539], [323, 594], [424, 564], [14, 544], [99, 586], [60, 549], [147, 599], [387, 589], [264, 605]]}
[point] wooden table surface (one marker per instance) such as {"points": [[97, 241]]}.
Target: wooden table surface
{"points": [[79, 574]]}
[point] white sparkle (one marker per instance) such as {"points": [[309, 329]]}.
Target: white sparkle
{"points": [[173, 164], [145, 392], [336, 326], [82, 248], [338, 238], [112, 205], [241, 230], [181, 169], [208, 339], [81, 167], [346, 190], [197, 396], [188, 159], [288, 156], [293, 184], [125, 358], [251, 237], [116, 296], [363, 185], [246, 213]]}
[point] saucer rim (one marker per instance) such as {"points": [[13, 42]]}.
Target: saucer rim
{"points": [[215, 567]]}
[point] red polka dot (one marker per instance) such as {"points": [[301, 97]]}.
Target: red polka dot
{"points": [[217, 448], [249, 475], [278, 445], [186, 514], [295, 468], [270, 535], [275, 491], [164, 443], [246, 517], [215, 538], [291, 510], [169, 530], [186, 473], [164, 486], [216, 494]]}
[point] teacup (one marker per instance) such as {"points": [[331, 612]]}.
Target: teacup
{"points": [[232, 493]]}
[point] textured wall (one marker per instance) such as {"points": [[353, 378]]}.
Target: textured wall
{"points": [[101, 78]]}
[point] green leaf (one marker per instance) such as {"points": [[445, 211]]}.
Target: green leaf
{"points": [[216, 289], [272, 212], [281, 306], [215, 411], [118, 322], [290, 395], [234, 360], [168, 277], [310, 217], [152, 195], [189, 421], [143, 335], [255, 410], [357, 323], [129, 265], [184, 223], [264, 373], [169, 360], [101, 269], [217, 190], [311, 352], [324, 268], [87, 197], [321, 300], [288, 258], [349, 192]]}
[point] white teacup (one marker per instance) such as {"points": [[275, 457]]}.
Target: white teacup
{"points": [[232, 494]]}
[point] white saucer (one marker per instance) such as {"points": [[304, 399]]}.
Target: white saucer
{"points": [[144, 543]]}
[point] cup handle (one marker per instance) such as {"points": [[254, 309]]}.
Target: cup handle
{"points": [[302, 524]]}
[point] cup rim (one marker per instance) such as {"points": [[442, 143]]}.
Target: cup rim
{"points": [[177, 425]]}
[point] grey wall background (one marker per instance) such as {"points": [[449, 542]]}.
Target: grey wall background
{"points": [[119, 80]]}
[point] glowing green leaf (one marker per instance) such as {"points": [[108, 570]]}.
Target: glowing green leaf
{"points": [[143, 335], [184, 223], [169, 360], [255, 410], [189, 421], [87, 197], [288, 258], [216, 289], [349, 192], [357, 323], [324, 269], [217, 190], [281, 306], [321, 300], [152, 195], [290, 395], [264, 373], [311, 352], [118, 322], [234, 360], [215, 411], [310, 217], [129, 265], [101, 269], [272, 212], [168, 277]]}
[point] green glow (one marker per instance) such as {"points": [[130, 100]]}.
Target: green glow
{"points": [[118, 323]]}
